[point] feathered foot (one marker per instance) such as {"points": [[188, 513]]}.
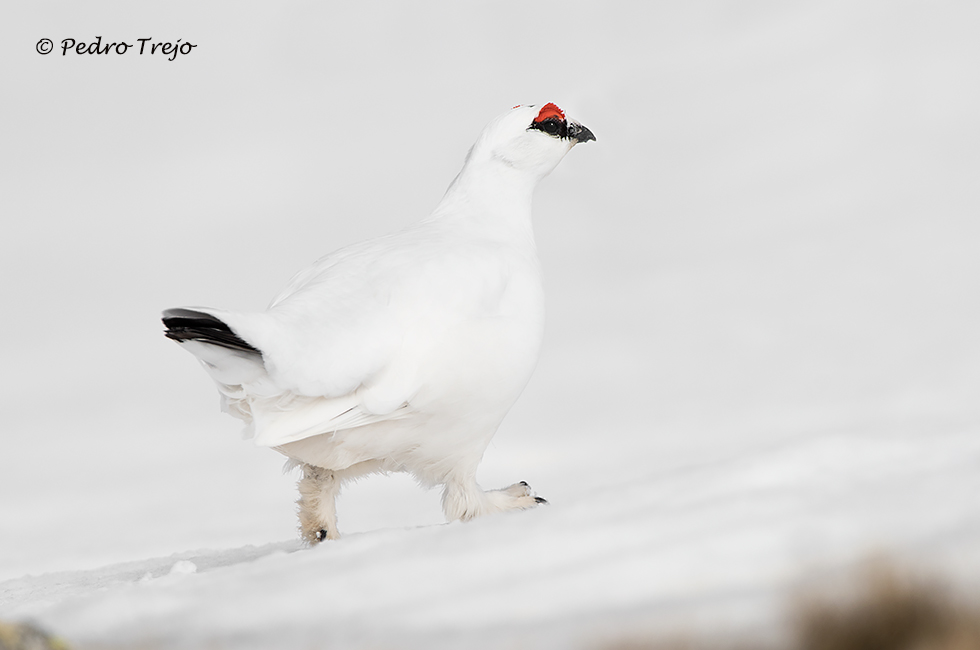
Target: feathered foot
{"points": [[518, 496], [318, 490], [464, 500]]}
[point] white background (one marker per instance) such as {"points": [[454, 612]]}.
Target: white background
{"points": [[763, 285]]}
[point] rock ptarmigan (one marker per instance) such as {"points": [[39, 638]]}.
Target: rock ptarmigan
{"points": [[405, 352]]}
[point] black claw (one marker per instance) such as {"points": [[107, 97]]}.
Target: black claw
{"points": [[524, 483], [321, 535], [541, 500]]}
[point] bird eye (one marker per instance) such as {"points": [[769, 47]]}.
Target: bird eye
{"points": [[552, 126]]}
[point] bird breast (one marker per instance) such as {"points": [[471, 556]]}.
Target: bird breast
{"points": [[472, 323]]}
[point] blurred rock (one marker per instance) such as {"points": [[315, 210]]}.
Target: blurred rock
{"points": [[880, 608], [24, 636], [889, 611]]}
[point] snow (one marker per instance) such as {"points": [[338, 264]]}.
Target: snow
{"points": [[713, 542], [761, 362]]}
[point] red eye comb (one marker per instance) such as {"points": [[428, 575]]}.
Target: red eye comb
{"points": [[549, 110]]}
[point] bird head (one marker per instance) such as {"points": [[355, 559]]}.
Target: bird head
{"points": [[530, 139]]}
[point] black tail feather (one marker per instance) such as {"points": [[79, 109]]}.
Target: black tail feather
{"points": [[190, 325]]}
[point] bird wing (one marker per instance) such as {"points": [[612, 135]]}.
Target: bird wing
{"points": [[290, 417], [349, 341], [330, 330]]}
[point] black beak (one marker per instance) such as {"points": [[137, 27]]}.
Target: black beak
{"points": [[579, 133]]}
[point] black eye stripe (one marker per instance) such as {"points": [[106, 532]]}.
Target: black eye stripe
{"points": [[552, 126]]}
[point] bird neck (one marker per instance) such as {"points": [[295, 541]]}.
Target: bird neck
{"points": [[491, 200]]}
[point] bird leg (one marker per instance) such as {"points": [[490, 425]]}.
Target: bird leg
{"points": [[518, 496], [465, 500], [318, 490]]}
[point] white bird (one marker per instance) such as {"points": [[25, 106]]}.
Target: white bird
{"points": [[405, 352]]}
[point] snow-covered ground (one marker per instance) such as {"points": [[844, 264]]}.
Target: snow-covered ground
{"points": [[761, 363]]}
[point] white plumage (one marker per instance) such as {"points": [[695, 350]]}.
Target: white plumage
{"points": [[402, 353]]}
